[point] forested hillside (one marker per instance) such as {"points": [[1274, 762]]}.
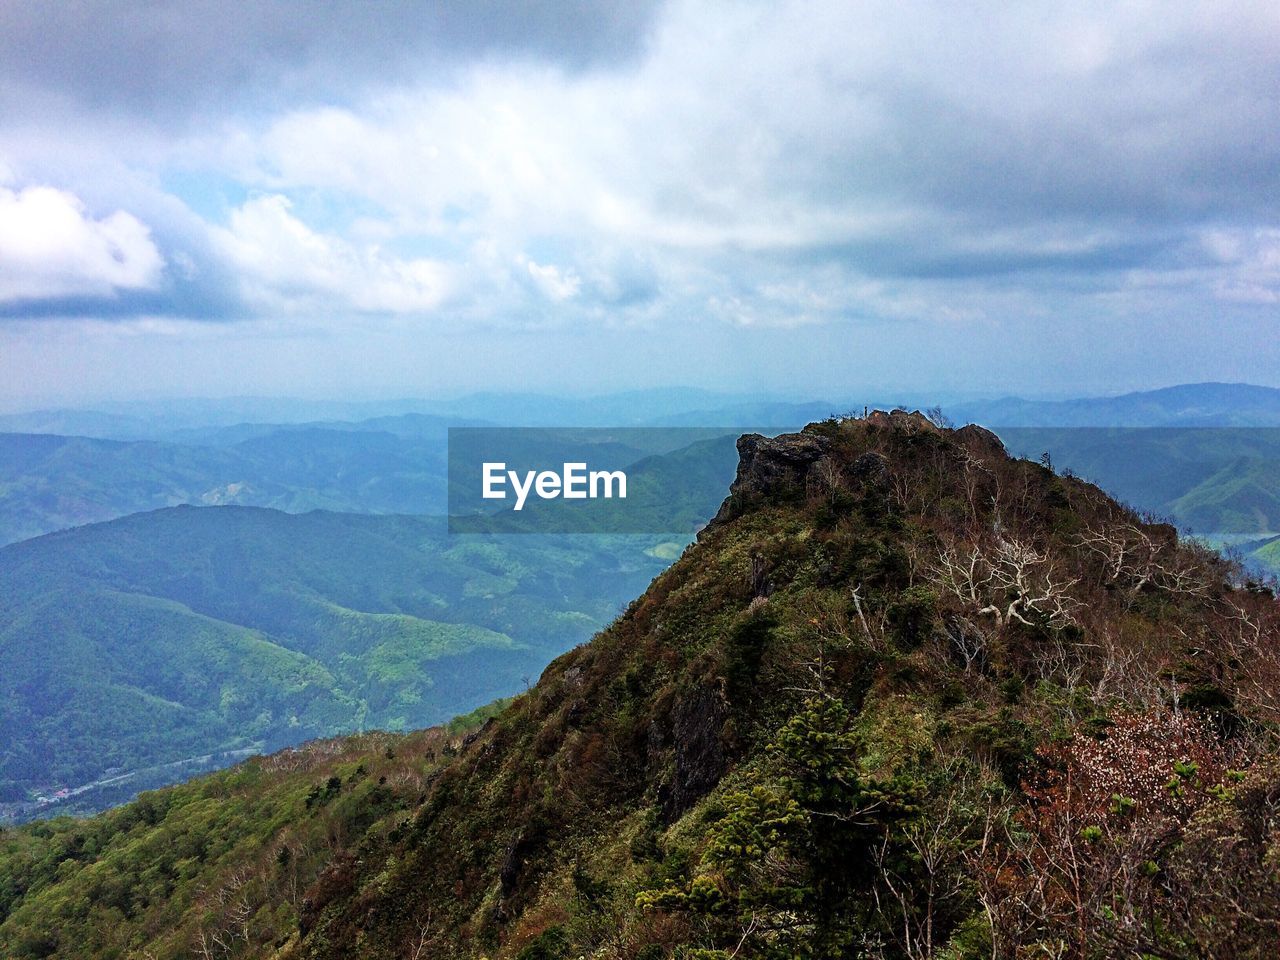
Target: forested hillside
{"points": [[906, 697], [190, 631]]}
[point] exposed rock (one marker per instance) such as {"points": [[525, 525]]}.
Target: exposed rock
{"points": [[700, 761], [760, 585], [772, 466], [655, 741], [906, 422], [512, 863], [981, 442], [870, 469]]}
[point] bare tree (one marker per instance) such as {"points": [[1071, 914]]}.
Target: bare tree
{"points": [[421, 939], [1134, 559], [1247, 632], [939, 419], [970, 640], [1010, 581]]}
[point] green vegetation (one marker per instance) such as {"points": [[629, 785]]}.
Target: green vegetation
{"points": [[1204, 480], [1267, 555], [49, 483], [191, 631], [905, 698], [206, 862]]}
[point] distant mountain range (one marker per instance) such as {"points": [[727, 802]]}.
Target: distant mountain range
{"points": [[1221, 481], [188, 419], [51, 482], [1189, 405]]}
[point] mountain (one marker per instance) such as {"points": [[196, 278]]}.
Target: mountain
{"points": [[172, 417], [905, 697], [134, 645], [50, 482], [410, 426], [176, 418], [1186, 405], [1208, 480], [1267, 555], [383, 465]]}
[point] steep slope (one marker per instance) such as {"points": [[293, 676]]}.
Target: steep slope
{"points": [[184, 632], [906, 697], [203, 856]]}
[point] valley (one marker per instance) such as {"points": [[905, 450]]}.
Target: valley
{"points": [[197, 630]]}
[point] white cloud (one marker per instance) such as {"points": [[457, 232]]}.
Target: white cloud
{"points": [[52, 248], [755, 164], [1252, 264], [930, 142], [287, 266], [785, 125], [554, 284]]}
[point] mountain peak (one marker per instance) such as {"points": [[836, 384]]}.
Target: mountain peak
{"points": [[793, 464]]}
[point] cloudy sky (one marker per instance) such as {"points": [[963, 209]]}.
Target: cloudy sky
{"points": [[393, 198]]}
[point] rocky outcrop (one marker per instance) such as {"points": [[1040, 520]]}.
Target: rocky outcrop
{"points": [[700, 762], [980, 442], [901, 420], [788, 465], [871, 469], [772, 467]]}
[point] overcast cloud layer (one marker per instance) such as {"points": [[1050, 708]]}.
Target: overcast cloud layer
{"points": [[391, 197]]}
